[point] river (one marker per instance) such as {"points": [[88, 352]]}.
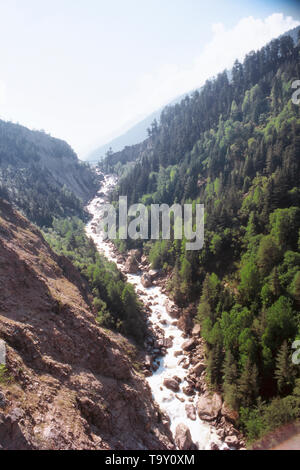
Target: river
{"points": [[174, 405]]}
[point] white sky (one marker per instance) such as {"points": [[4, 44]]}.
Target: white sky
{"points": [[84, 70]]}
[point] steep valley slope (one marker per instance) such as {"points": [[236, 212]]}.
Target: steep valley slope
{"points": [[68, 384]]}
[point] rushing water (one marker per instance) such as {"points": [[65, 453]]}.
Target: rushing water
{"points": [[203, 435]]}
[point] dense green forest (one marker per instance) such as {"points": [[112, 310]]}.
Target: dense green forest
{"points": [[114, 299], [42, 175], [234, 147]]}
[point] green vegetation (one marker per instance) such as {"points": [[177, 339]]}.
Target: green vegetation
{"points": [[5, 378], [235, 148], [115, 301]]}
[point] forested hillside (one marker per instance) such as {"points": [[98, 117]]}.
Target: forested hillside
{"points": [[42, 175], [114, 299], [234, 147]]}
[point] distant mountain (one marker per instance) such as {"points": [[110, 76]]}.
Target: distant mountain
{"points": [[42, 175], [134, 135], [138, 133]]}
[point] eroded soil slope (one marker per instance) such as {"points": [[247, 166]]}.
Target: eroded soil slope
{"points": [[69, 384]]}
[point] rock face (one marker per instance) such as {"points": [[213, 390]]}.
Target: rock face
{"points": [[183, 438], [74, 385], [209, 406]]}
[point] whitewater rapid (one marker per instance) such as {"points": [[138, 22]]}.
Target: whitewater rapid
{"points": [[173, 404]]}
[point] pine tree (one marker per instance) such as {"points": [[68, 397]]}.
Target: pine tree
{"points": [[248, 385], [230, 380], [284, 372]]}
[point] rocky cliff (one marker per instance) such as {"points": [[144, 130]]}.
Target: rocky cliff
{"points": [[68, 384], [42, 175]]}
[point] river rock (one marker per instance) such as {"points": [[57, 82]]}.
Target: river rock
{"points": [[172, 310], [180, 398], [231, 415], [198, 369], [232, 441], [3, 401], [209, 406], [177, 353], [189, 390], [183, 438], [131, 265], [196, 330], [146, 280], [171, 384], [191, 412], [147, 373], [189, 345], [178, 379], [153, 273], [168, 343], [214, 446], [148, 361], [184, 363], [144, 260]]}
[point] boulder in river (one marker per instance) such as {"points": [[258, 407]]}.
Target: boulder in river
{"points": [[131, 265], [191, 412], [189, 345], [177, 353], [189, 390], [153, 273], [172, 310], [209, 406], [214, 446], [183, 438], [171, 384], [168, 343], [146, 280], [232, 441], [198, 369]]}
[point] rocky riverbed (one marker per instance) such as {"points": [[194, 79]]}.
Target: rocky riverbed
{"points": [[174, 363]]}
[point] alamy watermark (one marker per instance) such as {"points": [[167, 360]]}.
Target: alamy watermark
{"points": [[138, 222]]}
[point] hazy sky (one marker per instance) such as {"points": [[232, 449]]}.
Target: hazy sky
{"points": [[84, 70]]}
